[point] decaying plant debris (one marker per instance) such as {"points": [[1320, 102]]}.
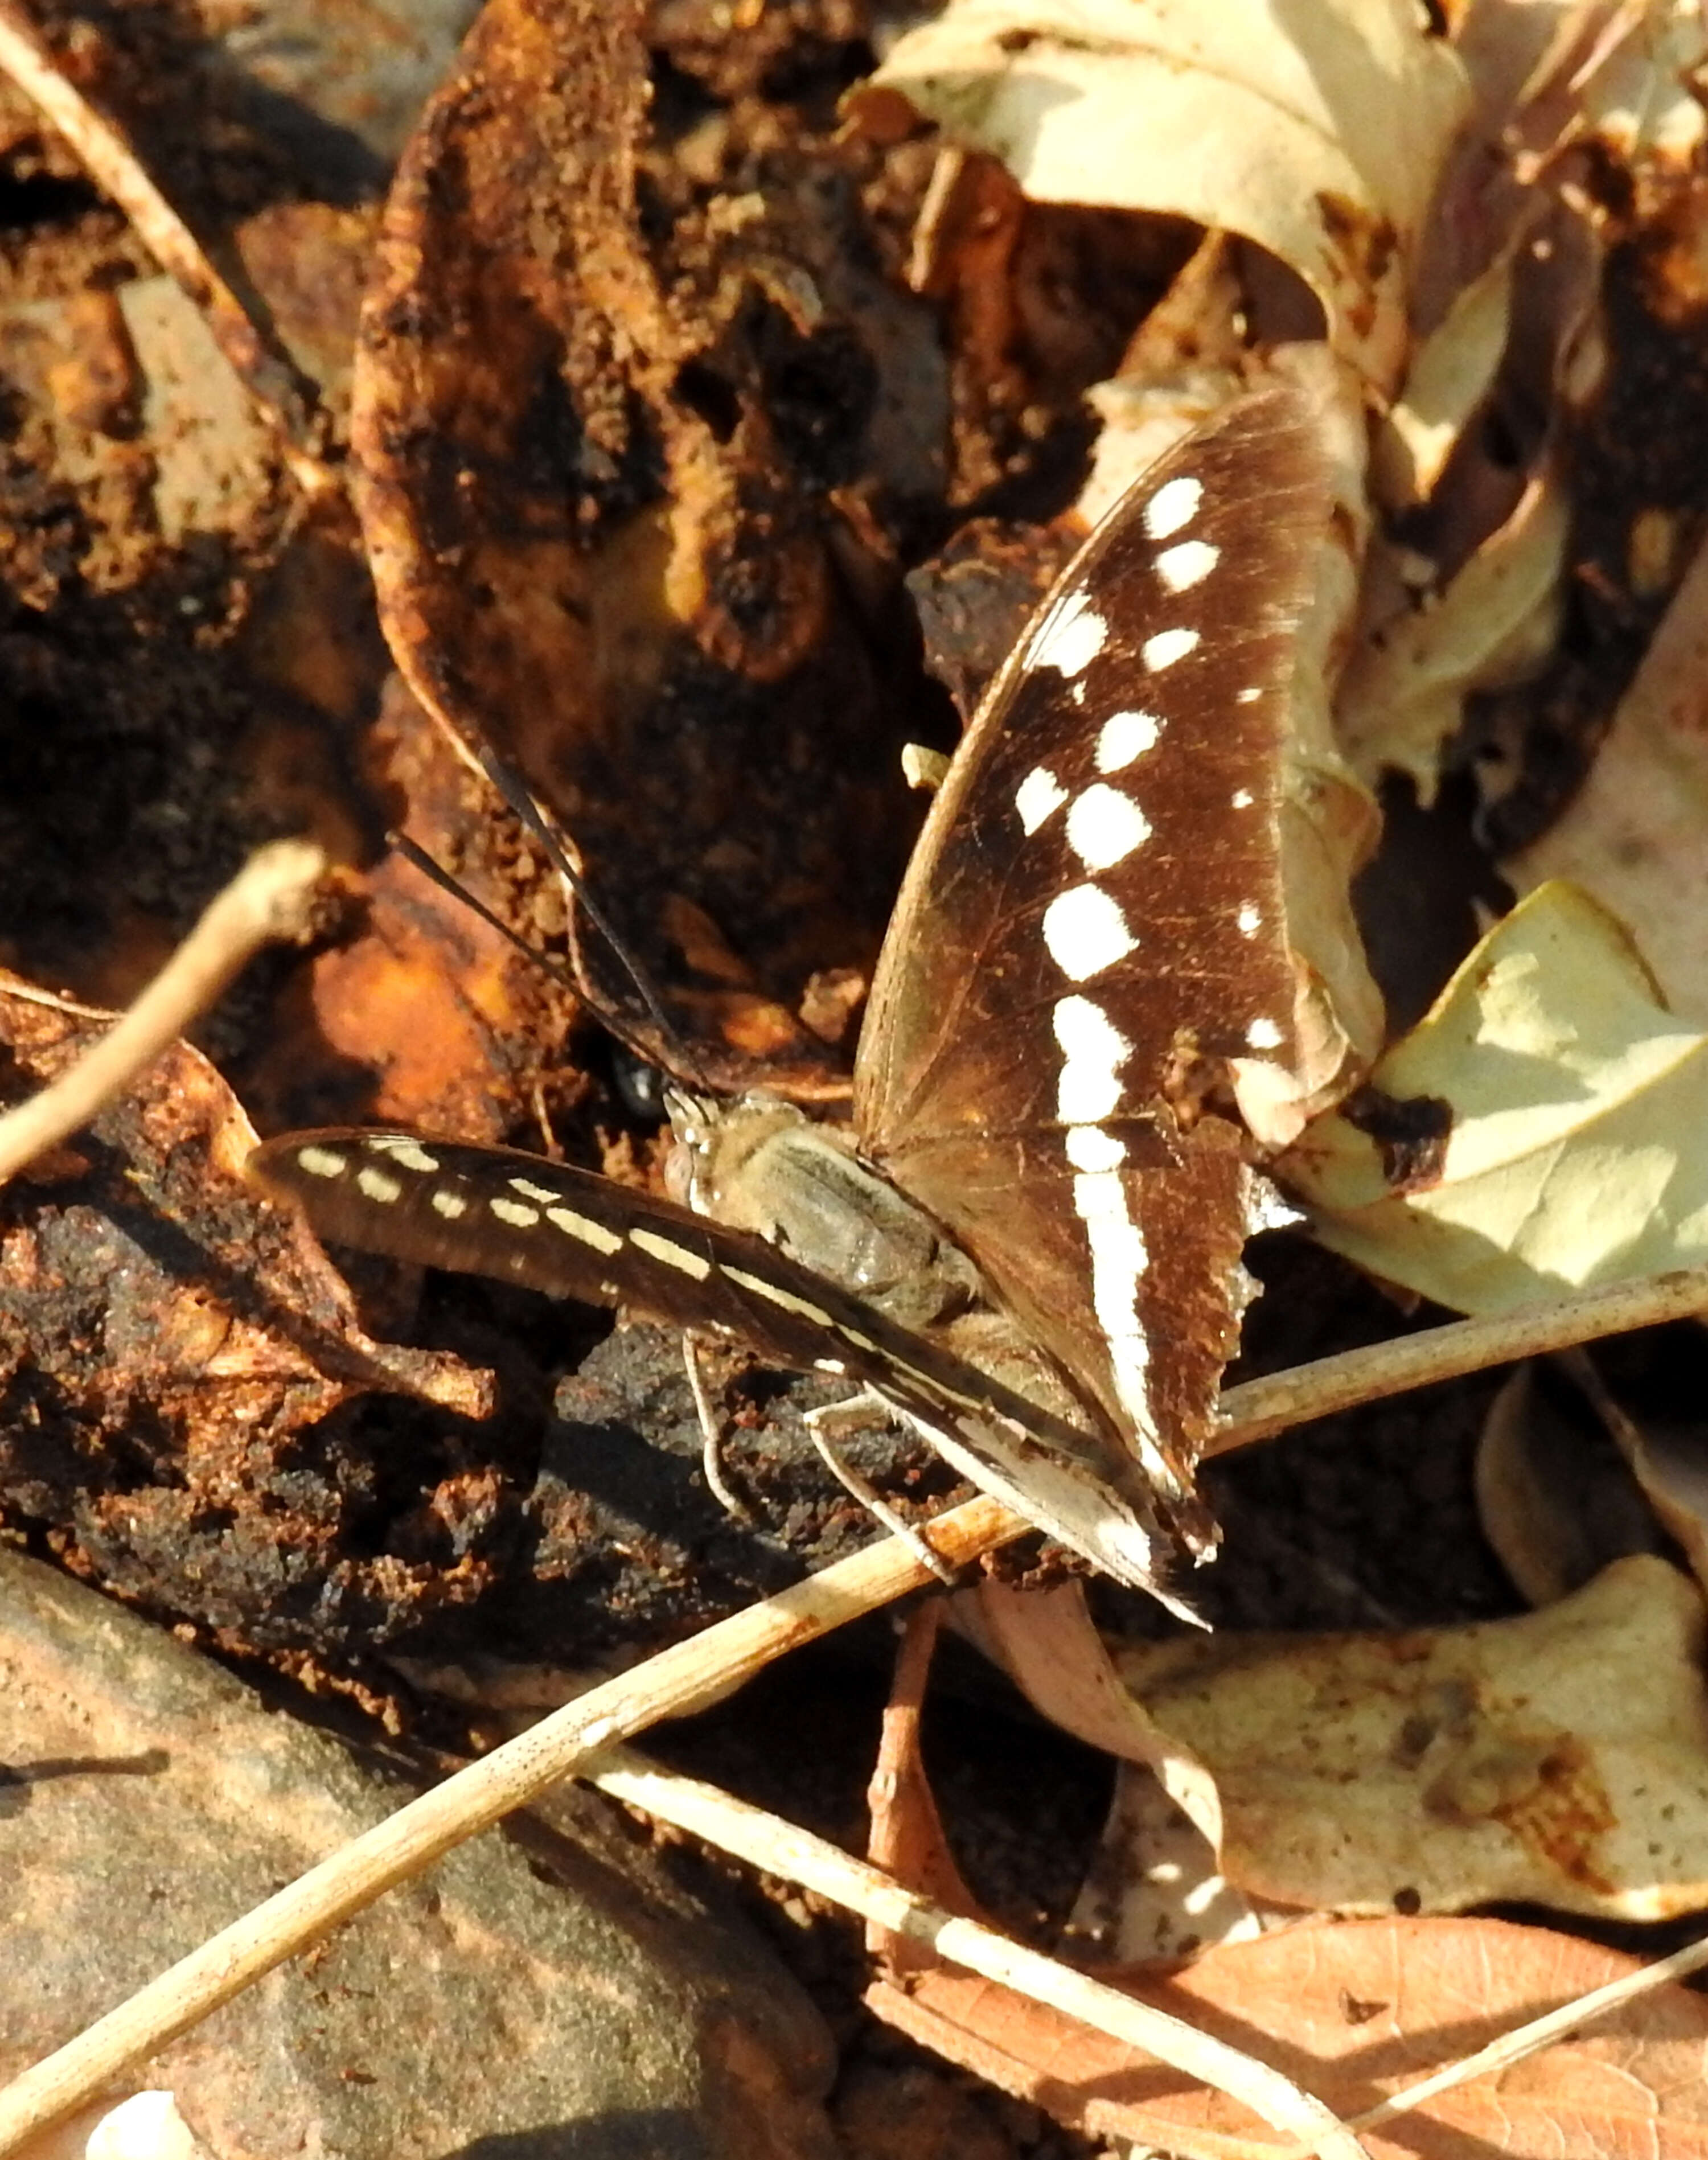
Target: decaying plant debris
{"points": [[688, 367]]}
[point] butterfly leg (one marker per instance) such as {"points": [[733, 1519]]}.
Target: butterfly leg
{"points": [[850, 1414], [711, 1434]]}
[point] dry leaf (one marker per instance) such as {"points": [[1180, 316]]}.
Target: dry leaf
{"points": [[589, 516], [1633, 833], [1319, 133], [1553, 1497], [1353, 2014], [1404, 692], [1561, 1758], [1567, 1102], [1155, 1888]]}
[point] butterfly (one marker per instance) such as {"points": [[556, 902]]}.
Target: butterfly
{"points": [[1027, 1243]]}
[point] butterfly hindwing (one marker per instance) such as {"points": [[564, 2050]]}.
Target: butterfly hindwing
{"points": [[1093, 915]]}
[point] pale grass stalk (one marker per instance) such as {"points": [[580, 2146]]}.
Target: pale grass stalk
{"points": [[269, 377], [270, 898], [1258, 1410], [686, 1677], [768, 1842]]}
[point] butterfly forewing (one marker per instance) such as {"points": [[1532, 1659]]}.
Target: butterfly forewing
{"points": [[570, 1233], [1095, 904]]}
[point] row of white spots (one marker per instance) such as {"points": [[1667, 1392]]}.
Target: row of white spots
{"points": [[525, 1201], [1086, 932]]}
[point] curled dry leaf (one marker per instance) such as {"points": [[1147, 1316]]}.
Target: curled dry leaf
{"points": [[1318, 133], [1155, 1888], [1553, 1497], [1667, 1462], [1422, 653], [1561, 1758], [1559, 1104], [176, 1334], [1352, 2014], [602, 537], [1633, 833]]}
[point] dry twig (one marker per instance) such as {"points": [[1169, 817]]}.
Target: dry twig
{"points": [[281, 393], [268, 900], [766, 1841]]}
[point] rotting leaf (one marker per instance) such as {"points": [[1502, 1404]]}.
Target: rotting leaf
{"points": [[1577, 1153], [1560, 1758], [1353, 2014], [1319, 134], [602, 537]]}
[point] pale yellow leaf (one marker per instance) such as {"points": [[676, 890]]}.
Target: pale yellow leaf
{"points": [[1318, 132], [1576, 1151], [1637, 833], [1561, 1758], [1493, 624]]}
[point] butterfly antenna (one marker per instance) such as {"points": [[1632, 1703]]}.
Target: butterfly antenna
{"points": [[436, 873], [521, 801]]}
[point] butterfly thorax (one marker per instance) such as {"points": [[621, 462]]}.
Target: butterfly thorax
{"points": [[759, 1164]]}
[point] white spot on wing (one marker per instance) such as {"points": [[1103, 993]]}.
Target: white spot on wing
{"points": [[585, 1229], [1118, 1260], [1263, 1035], [1086, 931], [407, 1153], [1250, 920], [1242, 799], [379, 1184], [322, 1161], [1070, 638], [449, 1204], [1189, 564], [682, 1257], [1250, 696], [775, 1294], [1037, 795], [513, 1211], [1089, 1147], [1089, 1089], [1174, 504], [1124, 736], [1167, 646], [1104, 827], [529, 1191]]}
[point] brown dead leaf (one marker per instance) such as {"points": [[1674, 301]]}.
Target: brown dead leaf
{"points": [[1352, 2013], [602, 543]]}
